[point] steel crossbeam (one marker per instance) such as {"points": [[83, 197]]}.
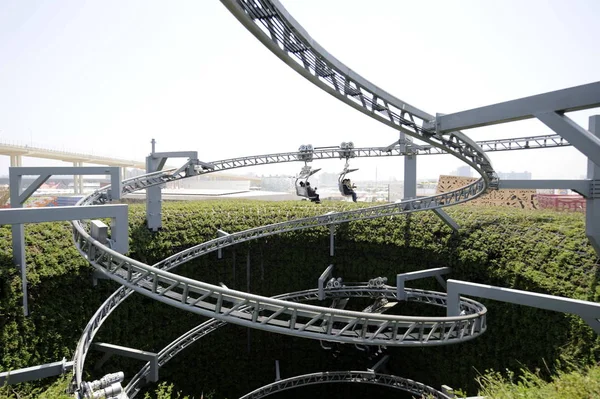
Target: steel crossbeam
{"points": [[566, 100], [356, 377]]}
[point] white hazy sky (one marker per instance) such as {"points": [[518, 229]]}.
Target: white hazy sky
{"points": [[107, 76]]}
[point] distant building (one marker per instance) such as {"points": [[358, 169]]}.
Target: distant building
{"points": [[463, 171], [514, 175]]}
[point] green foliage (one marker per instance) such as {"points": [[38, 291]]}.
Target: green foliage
{"points": [[165, 391], [57, 390], [545, 252], [575, 384]]}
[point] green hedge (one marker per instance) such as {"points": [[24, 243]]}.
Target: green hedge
{"points": [[545, 252]]}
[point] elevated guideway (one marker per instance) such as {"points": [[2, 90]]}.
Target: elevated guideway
{"points": [[360, 290], [348, 377], [16, 151], [288, 317], [510, 144], [269, 22]]}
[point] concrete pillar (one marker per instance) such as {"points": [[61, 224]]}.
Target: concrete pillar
{"points": [[592, 213], [75, 179], [16, 160]]}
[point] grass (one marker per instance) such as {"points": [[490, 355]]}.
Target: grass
{"points": [[580, 383]]}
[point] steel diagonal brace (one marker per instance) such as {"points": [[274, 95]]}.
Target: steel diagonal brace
{"points": [[579, 137]]}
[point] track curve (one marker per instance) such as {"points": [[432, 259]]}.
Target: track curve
{"points": [[358, 290], [283, 38], [354, 377]]}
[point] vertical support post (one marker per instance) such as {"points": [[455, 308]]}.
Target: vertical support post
{"points": [[77, 179], [115, 184], [119, 227], [410, 171], [249, 330], [323, 280], [221, 233], [452, 300], [233, 259], [75, 176], [592, 212], [277, 373], [16, 160], [331, 240], [80, 180], [153, 194], [18, 234]]}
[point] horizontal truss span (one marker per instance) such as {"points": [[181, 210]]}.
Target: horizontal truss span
{"points": [[521, 143], [353, 377]]}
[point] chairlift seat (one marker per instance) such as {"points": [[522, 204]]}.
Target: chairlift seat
{"points": [[303, 177], [345, 190]]}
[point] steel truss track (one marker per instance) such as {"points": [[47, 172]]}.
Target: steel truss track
{"points": [[351, 291], [114, 264], [279, 31], [359, 377], [520, 143], [274, 27]]}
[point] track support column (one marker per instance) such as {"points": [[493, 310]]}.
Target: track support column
{"points": [[410, 169], [18, 233], [331, 240], [592, 213], [154, 193]]}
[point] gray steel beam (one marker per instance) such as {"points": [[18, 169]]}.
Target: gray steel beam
{"points": [[37, 183], [592, 211], [42, 171], [377, 366], [221, 233], [588, 311], [584, 141], [580, 186], [154, 163], [175, 154], [331, 240], [323, 280], [118, 212], [447, 219], [134, 354], [410, 177], [35, 372], [566, 100], [403, 277], [18, 198]]}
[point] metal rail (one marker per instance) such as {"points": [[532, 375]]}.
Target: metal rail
{"points": [[277, 30], [357, 290], [356, 377], [288, 40], [511, 144], [105, 259]]}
